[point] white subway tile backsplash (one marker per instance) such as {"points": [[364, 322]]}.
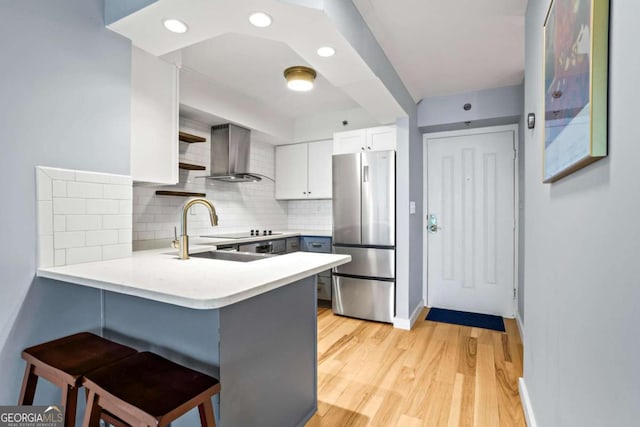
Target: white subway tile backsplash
{"points": [[59, 189], [62, 206], [60, 257], [125, 207], [83, 222], [125, 236], [146, 235], [99, 178], [110, 222], [59, 223], [103, 207], [114, 191], [43, 184], [121, 180], [86, 254], [45, 218], [80, 213], [102, 237], [240, 207], [45, 251], [61, 174], [84, 190], [69, 239], [116, 251]]}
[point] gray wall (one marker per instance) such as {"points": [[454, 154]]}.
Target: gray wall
{"points": [[489, 107], [65, 103], [582, 243]]}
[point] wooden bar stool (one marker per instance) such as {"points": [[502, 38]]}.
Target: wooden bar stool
{"points": [[148, 390], [64, 362]]}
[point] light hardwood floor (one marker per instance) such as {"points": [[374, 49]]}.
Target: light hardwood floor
{"points": [[370, 374]]}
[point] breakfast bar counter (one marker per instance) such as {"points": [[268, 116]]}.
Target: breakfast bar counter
{"points": [[250, 324]]}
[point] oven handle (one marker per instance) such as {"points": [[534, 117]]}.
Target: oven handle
{"points": [[264, 249]]}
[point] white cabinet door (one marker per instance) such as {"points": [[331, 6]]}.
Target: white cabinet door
{"points": [[352, 141], [291, 171], [154, 119], [320, 163], [381, 138]]}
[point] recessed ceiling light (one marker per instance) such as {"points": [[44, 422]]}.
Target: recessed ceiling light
{"points": [[326, 51], [175, 26], [260, 19]]}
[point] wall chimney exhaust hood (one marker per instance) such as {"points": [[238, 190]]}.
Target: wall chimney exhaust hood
{"points": [[230, 154]]}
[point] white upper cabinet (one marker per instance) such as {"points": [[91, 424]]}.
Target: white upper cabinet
{"points": [[154, 119], [303, 171], [291, 171], [381, 138], [320, 167]]}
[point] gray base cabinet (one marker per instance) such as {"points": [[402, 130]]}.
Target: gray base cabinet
{"points": [[321, 245]]}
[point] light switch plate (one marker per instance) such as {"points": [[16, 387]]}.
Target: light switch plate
{"points": [[412, 207]]}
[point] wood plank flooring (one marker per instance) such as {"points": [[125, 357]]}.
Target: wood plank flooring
{"points": [[370, 374]]}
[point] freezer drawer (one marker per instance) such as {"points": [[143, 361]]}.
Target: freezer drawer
{"points": [[364, 299], [368, 262]]}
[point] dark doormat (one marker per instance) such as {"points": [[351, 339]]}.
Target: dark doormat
{"points": [[486, 321]]}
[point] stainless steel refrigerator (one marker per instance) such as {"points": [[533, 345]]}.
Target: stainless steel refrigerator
{"points": [[364, 226]]}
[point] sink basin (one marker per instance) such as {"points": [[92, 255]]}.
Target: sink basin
{"points": [[231, 256]]}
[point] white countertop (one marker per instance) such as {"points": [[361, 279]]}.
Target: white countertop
{"points": [[197, 283]]}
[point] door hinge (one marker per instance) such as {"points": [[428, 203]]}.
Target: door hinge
{"points": [[514, 293]]}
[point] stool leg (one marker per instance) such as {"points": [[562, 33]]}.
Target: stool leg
{"points": [[28, 389], [92, 413], [70, 402], [206, 414]]}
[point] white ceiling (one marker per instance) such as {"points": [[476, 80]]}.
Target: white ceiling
{"points": [[442, 47], [254, 66], [438, 47]]}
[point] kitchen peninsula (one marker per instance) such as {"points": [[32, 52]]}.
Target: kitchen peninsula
{"points": [[251, 324]]}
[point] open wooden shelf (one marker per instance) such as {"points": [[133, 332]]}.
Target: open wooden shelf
{"points": [[179, 193], [191, 167], [187, 137]]}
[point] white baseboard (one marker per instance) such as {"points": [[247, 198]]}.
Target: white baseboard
{"points": [[520, 326], [407, 324], [526, 404]]}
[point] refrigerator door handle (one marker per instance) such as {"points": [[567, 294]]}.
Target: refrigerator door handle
{"points": [[365, 174]]}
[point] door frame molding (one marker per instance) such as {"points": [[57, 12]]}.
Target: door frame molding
{"points": [[516, 198]]}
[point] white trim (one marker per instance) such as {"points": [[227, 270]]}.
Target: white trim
{"points": [[520, 326], [526, 404], [516, 203], [407, 324]]}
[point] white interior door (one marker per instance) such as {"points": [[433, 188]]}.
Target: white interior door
{"points": [[470, 193]]}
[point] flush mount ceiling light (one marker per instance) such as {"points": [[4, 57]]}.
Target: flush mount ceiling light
{"points": [[326, 51], [175, 26], [260, 19], [300, 78]]}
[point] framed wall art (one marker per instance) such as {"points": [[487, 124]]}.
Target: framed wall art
{"points": [[576, 54]]}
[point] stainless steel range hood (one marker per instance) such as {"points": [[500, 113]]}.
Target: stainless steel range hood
{"points": [[230, 154]]}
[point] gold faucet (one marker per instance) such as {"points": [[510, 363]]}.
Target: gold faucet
{"points": [[183, 250]]}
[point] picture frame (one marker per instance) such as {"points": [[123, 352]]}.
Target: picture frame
{"points": [[576, 56]]}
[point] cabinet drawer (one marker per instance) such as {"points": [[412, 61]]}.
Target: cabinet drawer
{"points": [[293, 244], [316, 244]]}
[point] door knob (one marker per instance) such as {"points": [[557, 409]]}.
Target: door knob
{"points": [[432, 224]]}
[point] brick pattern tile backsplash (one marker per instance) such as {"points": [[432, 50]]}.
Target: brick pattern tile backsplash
{"points": [[82, 216], [240, 207]]}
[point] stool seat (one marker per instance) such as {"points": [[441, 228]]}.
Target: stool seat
{"points": [[75, 355], [147, 388], [64, 361]]}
